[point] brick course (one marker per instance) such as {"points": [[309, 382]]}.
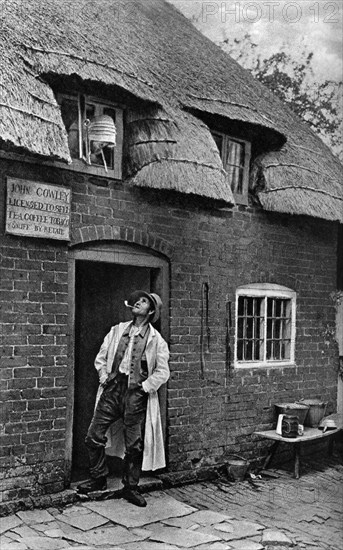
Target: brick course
{"points": [[209, 417]]}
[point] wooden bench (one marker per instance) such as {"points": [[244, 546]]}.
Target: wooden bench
{"points": [[310, 434]]}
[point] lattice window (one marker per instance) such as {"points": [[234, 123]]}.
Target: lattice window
{"points": [[235, 154], [265, 324], [75, 110]]}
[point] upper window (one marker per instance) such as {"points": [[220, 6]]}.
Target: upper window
{"points": [[98, 153], [265, 325], [235, 154]]}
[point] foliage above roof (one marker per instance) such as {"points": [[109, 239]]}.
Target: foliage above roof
{"points": [[149, 50]]}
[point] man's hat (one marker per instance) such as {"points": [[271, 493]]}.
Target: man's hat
{"points": [[154, 299]]}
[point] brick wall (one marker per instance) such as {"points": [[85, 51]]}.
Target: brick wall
{"points": [[208, 417]]}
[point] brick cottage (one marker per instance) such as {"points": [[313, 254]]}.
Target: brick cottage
{"points": [[215, 196]]}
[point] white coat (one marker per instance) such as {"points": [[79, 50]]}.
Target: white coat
{"points": [[157, 356]]}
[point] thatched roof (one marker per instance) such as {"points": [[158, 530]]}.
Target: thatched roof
{"points": [[157, 141], [30, 119], [149, 50]]}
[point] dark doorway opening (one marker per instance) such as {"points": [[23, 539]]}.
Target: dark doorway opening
{"points": [[100, 291]]}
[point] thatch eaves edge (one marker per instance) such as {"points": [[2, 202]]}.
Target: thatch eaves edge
{"points": [[233, 111], [87, 60], [303, 201], [186, 177], [300, 180]]}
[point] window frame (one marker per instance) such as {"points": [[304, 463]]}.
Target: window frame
{"points": [[264, 291], [243, 197], [79, 164]]}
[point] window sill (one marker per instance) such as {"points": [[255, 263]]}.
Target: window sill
{"points": [[84, 168], [263, 365], [241, 199]]}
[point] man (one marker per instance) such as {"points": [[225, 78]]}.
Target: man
{"points": [[132, 364]]}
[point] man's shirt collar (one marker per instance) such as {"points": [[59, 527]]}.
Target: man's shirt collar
{"points": [[142, 329]]}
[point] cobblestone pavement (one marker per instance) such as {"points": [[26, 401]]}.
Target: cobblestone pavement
{"points": [[274, 512], [307, 510]]}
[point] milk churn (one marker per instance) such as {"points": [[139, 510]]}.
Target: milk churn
{"points": [[290, 426]]}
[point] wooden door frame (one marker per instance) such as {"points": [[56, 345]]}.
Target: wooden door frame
{"points": [[112, 253]]}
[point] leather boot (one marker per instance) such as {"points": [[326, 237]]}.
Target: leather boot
{"points": [[92, 485], [133, 496]]}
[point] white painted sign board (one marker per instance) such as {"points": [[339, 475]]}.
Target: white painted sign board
{"points": [[35, 209]]}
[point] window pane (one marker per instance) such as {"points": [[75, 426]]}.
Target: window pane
{"points": [[240, 328], [103, 156], [278, 305], [258, 326], [235, 153], [240, 350], [248, 351], [87, 114], [250, 306], [234, 164], [110, 112], [235, 177], [90, 110], [69, 111], [277, 349], [250, 329], [240, 306], [278, 329], [257, 351]]}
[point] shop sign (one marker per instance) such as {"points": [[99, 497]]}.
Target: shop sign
{"points": [[35, 209]]}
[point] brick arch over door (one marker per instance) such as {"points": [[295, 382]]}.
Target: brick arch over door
{"points": [[89, 233]]}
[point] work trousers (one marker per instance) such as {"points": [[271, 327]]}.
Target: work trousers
{"points": [[119, 401]]}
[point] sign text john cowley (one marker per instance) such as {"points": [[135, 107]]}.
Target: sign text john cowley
{"points": [[36, 209]]}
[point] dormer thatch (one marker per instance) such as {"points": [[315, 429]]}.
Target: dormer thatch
{"points": [[147, 49], [30, 119], [174, 150]]}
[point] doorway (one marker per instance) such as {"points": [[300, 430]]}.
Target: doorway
{"points": [[101, 287]]}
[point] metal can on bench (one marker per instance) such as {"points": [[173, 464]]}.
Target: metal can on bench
{"points": [[290, 426]]}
